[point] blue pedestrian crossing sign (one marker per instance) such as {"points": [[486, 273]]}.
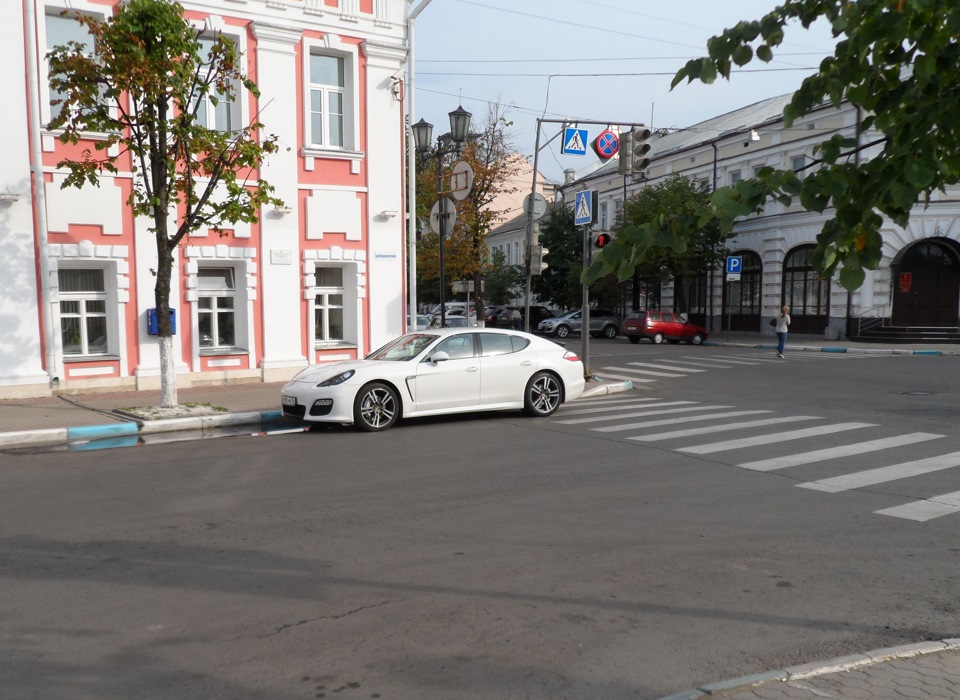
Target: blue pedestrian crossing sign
{"points": [[583, 208], [734, 264], [574, 142]]}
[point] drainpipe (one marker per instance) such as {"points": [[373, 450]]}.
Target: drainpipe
{"points": [[713, 188], [412, 14], [39, 193]]}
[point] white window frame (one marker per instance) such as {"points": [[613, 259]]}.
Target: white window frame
{"points": [[109, 299], [603, 217], [235, 108], [237, 309], [736, 176], [73, 8], [322, 302], [331, 45], [350, 291]]}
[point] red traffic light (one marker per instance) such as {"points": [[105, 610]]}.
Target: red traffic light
{"points": [[602, 239]]}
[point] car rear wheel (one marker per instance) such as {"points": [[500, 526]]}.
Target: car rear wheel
{"points": [[610, 331], [657, 338], [697, 339], [543, 395], [563, 331], [376, 408], [633, 339]]}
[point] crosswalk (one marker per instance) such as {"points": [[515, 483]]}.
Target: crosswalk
{"points": [[689, 423], [689, 365]]}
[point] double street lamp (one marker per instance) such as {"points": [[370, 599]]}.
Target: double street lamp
{"points": [[422, 138]]}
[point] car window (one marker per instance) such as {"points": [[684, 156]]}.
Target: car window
{"points": [[635, 315], [458, 347], [403, 348], [495, 344], [603, 312], [669, 318], [654, 315], [519, 343]]}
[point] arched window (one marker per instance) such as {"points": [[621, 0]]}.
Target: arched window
{"points": [[743, 296], [804, 291]]}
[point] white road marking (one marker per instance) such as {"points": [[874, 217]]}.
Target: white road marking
{"points": [[607, 375], [667, 367], [922, 511], [725, 361], [767, 465], [674, 421], [721, 428], [775, 437], [641, 371], [638, 403], [870, 477], [640, 414]]}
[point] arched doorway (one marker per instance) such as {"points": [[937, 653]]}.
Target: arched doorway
{"points": [[926, 284], [741, 299], [805, 292]]}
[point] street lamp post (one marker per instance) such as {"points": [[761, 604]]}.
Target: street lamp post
{"points": [[422, 137]]}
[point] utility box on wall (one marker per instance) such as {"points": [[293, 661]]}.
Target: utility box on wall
{"points": [[152, 327]]}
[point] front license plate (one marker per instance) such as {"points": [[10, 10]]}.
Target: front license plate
{"points": [[288, 401]]}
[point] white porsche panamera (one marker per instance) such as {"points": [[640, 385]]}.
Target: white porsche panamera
{"points": [[433, 372]]}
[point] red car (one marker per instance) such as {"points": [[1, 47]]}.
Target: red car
{"points": [[662, 325]]}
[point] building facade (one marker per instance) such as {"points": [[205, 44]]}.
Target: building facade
{"points": [[917, 284], [319, 279]]}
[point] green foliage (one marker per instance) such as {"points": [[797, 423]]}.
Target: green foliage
{"points": [[896, 60], [502, 282], [665, 231], [140, 92], [559, 284]]}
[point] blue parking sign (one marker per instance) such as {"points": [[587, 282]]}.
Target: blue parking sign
{"points": [[734, 264]]}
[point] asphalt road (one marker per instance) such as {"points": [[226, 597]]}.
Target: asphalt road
{"points": [[490, 556]]}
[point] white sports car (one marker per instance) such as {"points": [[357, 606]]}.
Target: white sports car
{"points": [[449, 370]]}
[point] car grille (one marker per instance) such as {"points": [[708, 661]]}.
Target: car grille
{"points": [[321, 407], [294, 411]]}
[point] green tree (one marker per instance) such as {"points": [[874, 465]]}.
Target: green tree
{"points": [[896, 60], [689, 246], [142, 88], [502, 282]]}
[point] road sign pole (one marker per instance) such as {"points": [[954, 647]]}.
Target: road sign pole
{"points": [[529, 236], [585, 309]]}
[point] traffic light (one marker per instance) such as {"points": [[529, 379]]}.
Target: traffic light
{"points": [[626, 152], [537, 262], [639, 150], [602, 239]]}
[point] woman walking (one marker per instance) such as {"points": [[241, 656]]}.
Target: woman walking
{"points": [[783, 322]]}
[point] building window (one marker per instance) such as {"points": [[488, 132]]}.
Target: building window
{"points": [[218, 109], [83, 312], [804, 291], [216, 315], [328, 309], [690, 296], [736, 176], [61, 30], [327, 100], [797, 163], [604, 220]]}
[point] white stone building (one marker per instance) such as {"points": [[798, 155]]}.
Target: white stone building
{"points": [[318, 280]]}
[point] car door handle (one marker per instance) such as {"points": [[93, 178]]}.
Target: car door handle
{"points": [[526, 363], [472, 369]]}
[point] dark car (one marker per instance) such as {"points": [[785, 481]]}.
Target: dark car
{"points": [[537, 314], [490, 316], [662, 325], [603, 322]]}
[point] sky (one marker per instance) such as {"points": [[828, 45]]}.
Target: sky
{"points": [[603, 60]]}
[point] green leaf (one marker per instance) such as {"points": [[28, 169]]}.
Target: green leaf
{"points": [[742, 55], [764, 53], [851, 278], [919, 174]]}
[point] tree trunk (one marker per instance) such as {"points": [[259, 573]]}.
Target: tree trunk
{"points": [[168, 373]]}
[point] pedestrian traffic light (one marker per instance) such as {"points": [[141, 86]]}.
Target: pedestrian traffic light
{"points": [[537, 262], [627, 140], [602, 239], [639, 150]]}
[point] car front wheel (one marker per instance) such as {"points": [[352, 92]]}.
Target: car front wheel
{"points": [[376, 408], [610, 331], [657, 338], [542, 396], [697, 339], [563, 331]]}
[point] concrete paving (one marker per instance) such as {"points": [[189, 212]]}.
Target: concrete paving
{"points": [[924, 670]]}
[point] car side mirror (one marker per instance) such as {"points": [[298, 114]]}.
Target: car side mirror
{"points": [[440, 356]]}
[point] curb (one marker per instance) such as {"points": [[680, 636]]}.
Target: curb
{"points": [[606, 389], [818, 348], [88, 433], [818, 668]]}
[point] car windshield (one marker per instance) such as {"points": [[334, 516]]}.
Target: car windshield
{"points": [[633, 316], [404, 348]]}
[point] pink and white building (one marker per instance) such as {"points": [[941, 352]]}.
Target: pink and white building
{"points": [[321, 279]]}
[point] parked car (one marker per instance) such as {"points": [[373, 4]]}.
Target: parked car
{"points": [[491, 314], [422, 323], [537, 314], [455, 320], [437, 372], [602, 322], [662, 325]]}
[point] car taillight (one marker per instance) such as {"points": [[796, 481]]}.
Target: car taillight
{"points": [[572, 356]]}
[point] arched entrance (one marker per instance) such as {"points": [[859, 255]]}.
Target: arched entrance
{"points": [[926, 284], [742, 299]]}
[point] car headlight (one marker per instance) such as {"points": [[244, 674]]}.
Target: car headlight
{"points": [[339, 379]]}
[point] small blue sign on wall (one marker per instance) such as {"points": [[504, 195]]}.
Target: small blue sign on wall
{"points": [[153, 326]]}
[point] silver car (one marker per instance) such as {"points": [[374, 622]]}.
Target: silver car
{"points": [[603, 322]]}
